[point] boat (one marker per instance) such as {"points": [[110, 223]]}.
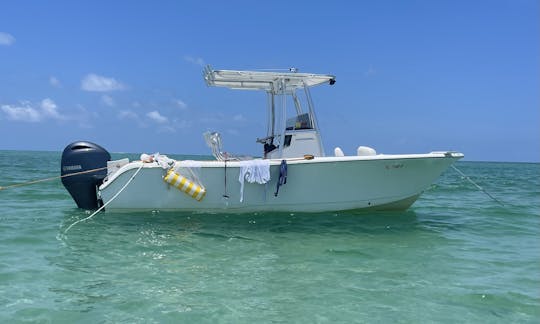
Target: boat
{"points": [[293, 173]]}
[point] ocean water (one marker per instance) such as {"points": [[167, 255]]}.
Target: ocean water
{"points": [[456, 256]]}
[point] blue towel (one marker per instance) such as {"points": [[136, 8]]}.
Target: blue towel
{"points": [[282, 176]]}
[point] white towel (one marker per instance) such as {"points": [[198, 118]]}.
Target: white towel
{"points": [[254, 171]]}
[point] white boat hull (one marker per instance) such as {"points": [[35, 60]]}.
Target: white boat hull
{"points": [[322, 184]]}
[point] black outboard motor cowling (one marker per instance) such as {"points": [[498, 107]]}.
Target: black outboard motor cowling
{"points": [[83, 156]]}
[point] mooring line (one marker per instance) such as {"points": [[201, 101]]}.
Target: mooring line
{"points": [[476, 185], [108, 202], [49, 179]]}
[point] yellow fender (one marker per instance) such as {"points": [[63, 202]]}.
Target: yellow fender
{"points": [[185, 185]]}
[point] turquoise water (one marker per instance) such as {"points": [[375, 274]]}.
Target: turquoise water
{"points": [[455, 256]]}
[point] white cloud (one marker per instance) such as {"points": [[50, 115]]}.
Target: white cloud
{"points": [[239, 118], [50, 109], [26, 112], [23, 113], [194, 60], [166, 129], [181, 124], [108, 100], [53, 81], [133, 117], [157, 117], [213, 118], [6, 39], [180, 104], [127, 114], [84, 117], [97, 83]]}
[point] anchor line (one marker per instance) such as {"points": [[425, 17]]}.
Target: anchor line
{"points": [[108, 202], [476, 185], [50, 179]]}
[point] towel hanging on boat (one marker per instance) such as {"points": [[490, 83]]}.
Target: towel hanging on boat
{"points": [[282, 176], [254, 171]]}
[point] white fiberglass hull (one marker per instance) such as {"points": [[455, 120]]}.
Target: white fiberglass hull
{"points": [[321, 184]]}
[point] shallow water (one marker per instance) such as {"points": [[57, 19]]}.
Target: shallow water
{"points": [[455, 256]]}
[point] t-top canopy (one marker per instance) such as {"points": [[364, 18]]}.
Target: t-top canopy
{"points": [[275, 82]]}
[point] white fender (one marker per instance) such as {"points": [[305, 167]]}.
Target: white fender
{"points": [[185, 185]]}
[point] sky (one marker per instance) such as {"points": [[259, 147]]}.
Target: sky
{"points": [[411, 76]]}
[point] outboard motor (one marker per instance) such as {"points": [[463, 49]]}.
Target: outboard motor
{"points": [[84, 156]]}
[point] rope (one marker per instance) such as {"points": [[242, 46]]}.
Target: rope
{"points": [[477, 186], [49, 179], [108, 202]]}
